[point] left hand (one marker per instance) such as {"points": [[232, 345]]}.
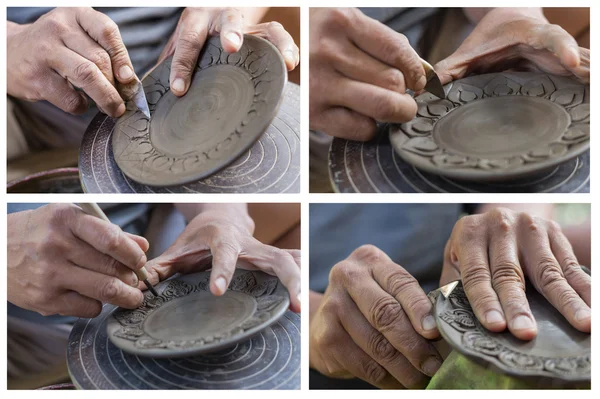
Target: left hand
{"points": [[513, 38], [196, 24], [494, 251], [223, 241]]}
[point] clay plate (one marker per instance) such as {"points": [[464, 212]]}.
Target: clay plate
{"points": [[186, 319], [497, 126], [559, 351], [231, 101]]}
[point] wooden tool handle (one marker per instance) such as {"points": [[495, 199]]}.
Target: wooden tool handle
{"points": [[94, 210]]}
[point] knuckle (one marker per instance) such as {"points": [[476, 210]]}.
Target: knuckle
{"points": [[274, 26], [61, 213], [367, 253], [190, 39], [110, 30], [344, 272], [553, 226], [111, 238], [399, 280], [548, 273], [101, 59], [86, 72], [571, 267], [110, 290], [381, 348], [374, 373], [386, 312], [393, 79], [473, 273], [340, 17], [72, 102], [55, 24], [506, 273], [527, 220], [501, 218]]}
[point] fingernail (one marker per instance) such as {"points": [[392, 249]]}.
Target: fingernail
{"points": [[234, 38], [121, 109], [428, 323], [134, 280], [125, 72], [221, 285], [141, 262], [494, 317], [583, 314], [522, 323], [421, 83], [431, 366], [178, 85], [289, 56]]}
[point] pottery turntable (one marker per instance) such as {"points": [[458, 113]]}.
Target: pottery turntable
{"points": [[235, 131], [501, 132], [188, 339]]}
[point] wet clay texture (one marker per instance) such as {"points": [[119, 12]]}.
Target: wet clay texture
{"points": [[375, 167], [558, 352], [271, 165], [231, 101], [497, 127], [263, 352]]}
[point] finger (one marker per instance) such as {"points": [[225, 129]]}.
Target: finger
{"points": [[72, 303], [452, 68], [406, 290], [84, 74], [64, 96], [106, 33], [110, 240], [508, 280], [141, 241], [378, 103], [276, 262], [192, 36], [345, 123], [547, 276], [105, 289], [276, 34], [391, 47], [296, 254], [232, 25], [84, 255], [470, 252], [560, 42], [357, 65], [83, 45], [377, 347], [224, 260], [576, 277]]}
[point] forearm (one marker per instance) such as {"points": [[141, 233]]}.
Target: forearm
{"points": [[239, 212]]}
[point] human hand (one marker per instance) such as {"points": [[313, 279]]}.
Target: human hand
{"points": [[494, 252], [359, 72], [196, 24], [516, 38], [373, 323], [63, 261], [65, 49], [223, 241]]}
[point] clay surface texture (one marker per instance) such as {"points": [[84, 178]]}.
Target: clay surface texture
{"points": [[271, 165], [230, 103], [187, 319], [375, 167], [497, 126], [559, 351]]}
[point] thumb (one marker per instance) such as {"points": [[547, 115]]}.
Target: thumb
{"points": [[451, 68]]}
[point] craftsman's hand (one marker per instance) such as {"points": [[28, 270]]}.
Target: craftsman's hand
{"points": [[196, 24], [359, 72], [494, 252], [517, 38], [63, 261], [373, 323], [65, 49], [222, 241]]}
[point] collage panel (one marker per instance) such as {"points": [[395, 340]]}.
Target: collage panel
{"points": [[153, 100], [450, 100], [450, 296], [153, 296]]}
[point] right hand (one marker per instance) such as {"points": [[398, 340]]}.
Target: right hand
{"points": [[374, 323], [359, 72], [64, 49], [63, 261]]}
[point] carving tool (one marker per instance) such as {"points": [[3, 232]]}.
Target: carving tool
{"points": [[134, 91], [434, 85], [446, 290], [94, 210]]}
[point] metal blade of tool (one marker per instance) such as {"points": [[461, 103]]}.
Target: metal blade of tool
{"points": [[433, 85], [134, 92]]}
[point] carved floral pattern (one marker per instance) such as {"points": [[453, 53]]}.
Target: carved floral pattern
{"points": [[419, 131], [131, 321], [476, 338]]}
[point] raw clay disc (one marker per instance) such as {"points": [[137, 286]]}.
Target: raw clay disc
{"points": [[497, 127], [231, 101], [186, 319], [559, 351], [374, 167], [271, 165]]}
